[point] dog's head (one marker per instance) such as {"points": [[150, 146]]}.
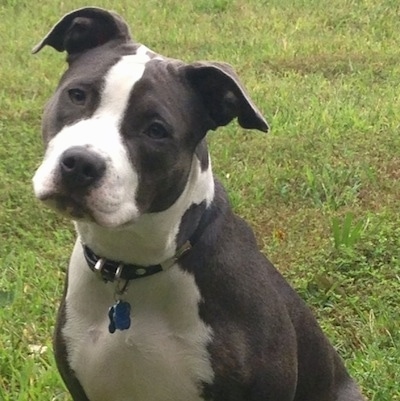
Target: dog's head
{"points": [[125, 125]]}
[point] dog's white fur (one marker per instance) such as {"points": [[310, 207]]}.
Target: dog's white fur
{"points": [[160, 358]]}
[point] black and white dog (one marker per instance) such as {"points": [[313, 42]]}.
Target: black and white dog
{"points": [[167, 296]]}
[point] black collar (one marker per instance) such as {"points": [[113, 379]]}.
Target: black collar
{"points": [[110, 270]]}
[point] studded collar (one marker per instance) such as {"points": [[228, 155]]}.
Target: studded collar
{"points": [[110, 270]]}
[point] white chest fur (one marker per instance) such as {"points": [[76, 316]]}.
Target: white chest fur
{"points": [[162, 357]]}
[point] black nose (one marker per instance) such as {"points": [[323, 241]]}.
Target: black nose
{"points": [[81, 167]]}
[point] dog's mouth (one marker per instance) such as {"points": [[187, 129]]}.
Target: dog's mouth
{"points": [[68, 205], [76, 208]]}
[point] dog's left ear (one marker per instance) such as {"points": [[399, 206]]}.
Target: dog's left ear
{"points": [[224, 96], [84, 29]]}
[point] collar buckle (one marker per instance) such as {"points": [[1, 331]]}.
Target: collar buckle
{"points": [[180, 252]]}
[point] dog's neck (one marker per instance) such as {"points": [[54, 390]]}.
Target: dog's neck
{"points": [[152, 239]]}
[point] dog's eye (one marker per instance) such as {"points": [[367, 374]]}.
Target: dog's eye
{"points": [[77, 96], [157, 131]]}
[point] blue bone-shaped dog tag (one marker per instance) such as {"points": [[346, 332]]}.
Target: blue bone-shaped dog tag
{"points": [[120, 316]]}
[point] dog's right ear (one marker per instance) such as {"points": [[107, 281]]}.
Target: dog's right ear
{"points": [[84, 29]]}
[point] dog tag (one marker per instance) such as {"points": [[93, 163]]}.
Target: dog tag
{"points": [[120, 316]]}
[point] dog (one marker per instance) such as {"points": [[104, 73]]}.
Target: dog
{"points": [[167, 296]]}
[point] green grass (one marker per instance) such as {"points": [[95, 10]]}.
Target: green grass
{"points": [[327, 77]]}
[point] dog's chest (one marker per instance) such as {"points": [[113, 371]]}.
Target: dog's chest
{"points": [[163, 356]]}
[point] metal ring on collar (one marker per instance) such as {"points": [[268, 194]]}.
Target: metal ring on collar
{"points": [[120, 290]]}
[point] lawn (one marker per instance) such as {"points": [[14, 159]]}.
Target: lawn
{"points": [[322, 190]]}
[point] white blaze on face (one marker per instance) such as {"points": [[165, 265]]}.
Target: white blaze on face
{"points": [[112, 202], [118, 85]]}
